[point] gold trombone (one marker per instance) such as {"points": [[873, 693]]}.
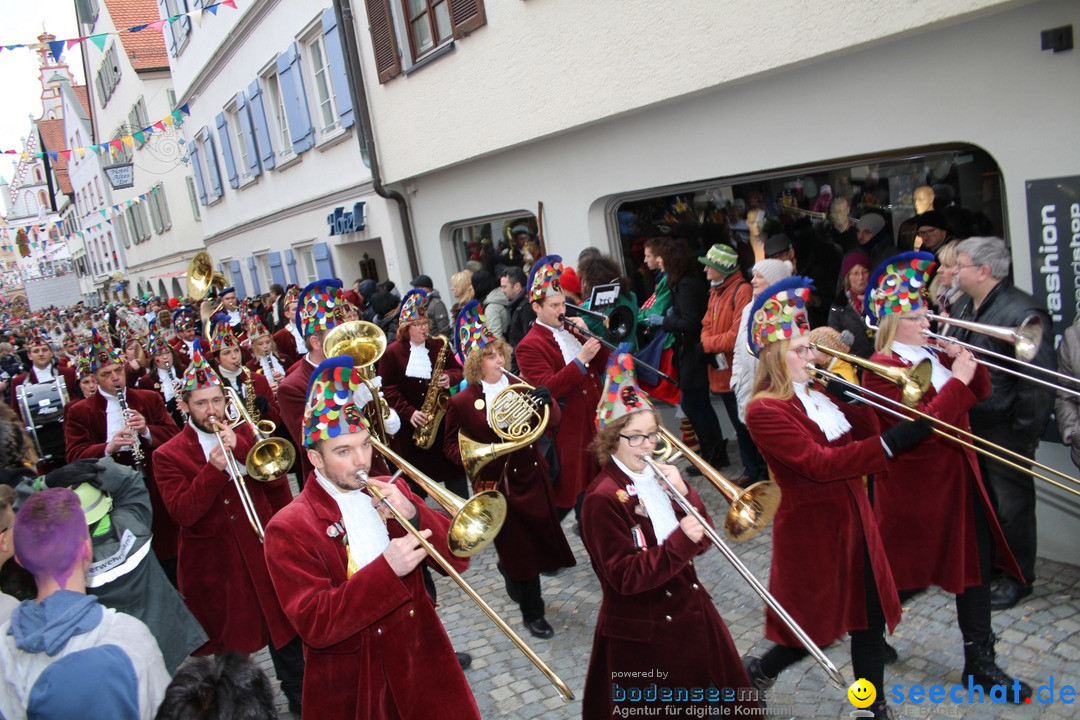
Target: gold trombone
{"points": [[751, 509], [514, 417], [236, 474], [889, 406], [913, 381], [435, 555], [270, 457], [834, 675]]}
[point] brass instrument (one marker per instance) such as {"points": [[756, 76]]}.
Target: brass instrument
{"points": [[474, 523], [365, 343], [434, 554], [755, 584], [136, 449], [236, 474], [751, 509], [619, 324], [514, 417], [574, 328], [270, 457], [914, 381], [435, 400], [249, 397], [891, 407], [201, 279]]}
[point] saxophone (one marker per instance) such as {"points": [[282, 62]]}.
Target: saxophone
{"points": [[434, 401]]}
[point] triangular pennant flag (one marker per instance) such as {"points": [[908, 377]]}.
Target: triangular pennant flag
{"points": [[81, 152], [129, 141], [137, 28], [116, 208], [56, 47], [128, 203], [160, 125], [140, 137], [157, 25], [117, 144], [184, 110], [53, 155], [74, 41], [228, 3], [177, 116], [103, 212], [99, 40], [196, 16], [66, 154], [168, 121], [212, 9]]}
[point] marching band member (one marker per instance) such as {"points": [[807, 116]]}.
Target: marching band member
{"points": [[289, 340], [264, 360], [135, 362], [552, 356], [184, 342], [319, 309], [231, 306], [349, 581], [162, 375], [87, 382], [43, 369], [829, 568], [642, 548], [252, 389], [222, 570], [70, 345], [531, 540], [97, 427], [407, 369], [953, 541]]}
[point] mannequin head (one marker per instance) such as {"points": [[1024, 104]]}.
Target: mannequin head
{"points": [[924, 199], [839, 214]]}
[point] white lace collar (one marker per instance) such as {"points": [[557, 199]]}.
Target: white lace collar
{"points": [[916, 353]]}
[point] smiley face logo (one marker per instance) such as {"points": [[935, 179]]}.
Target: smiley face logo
{"points": [[862, 693]]}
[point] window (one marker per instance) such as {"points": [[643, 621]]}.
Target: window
{"points": [[170, 95], [226, 271], [193, 197], [120, 225], [428, 23], [305, 266], [97, 186], [239, 142], [484, 239], [277, 108], [327, 112], [159, 209], [138, 224], [138, 120], [108, 75], [87, 11], [204, 162], [265, 277], [424, 26], [178, 30]]}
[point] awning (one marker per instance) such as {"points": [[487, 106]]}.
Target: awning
{"points": [[174, 273]]}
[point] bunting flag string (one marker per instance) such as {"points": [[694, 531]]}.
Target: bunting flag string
{"points": [[114, 146], [58, 47]]}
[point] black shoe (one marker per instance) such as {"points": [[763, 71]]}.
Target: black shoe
{"points": [[889, 654], [552, 573], [464, 660], [1008, 593], [720, 457], [758, 679], [980, 666], [540, 628]]}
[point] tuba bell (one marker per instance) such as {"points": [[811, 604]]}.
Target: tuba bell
{"points": [[365, 343]]}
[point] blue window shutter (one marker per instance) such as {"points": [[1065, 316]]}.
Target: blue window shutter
{"points": [[291, 81], [166, 29], [290, 260], [256, 288], [262, 130], [247, 130], [226, 150], [337, 68], [277, 273], [238, 279], [196, 165], [324, 266], [212, 164]]}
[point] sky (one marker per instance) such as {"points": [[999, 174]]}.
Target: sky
{"points": [[21, 87]]}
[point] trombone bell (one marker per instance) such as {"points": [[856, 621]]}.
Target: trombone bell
{"points": [[269, 459], [914, 381], [1025, 338]]}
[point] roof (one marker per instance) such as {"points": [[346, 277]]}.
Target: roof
{"points": [[84, 97], [146, 49], [52, 140]]}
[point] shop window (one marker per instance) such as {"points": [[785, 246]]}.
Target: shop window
{"points": [[492, 241]]}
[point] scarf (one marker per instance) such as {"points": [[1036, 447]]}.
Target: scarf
{"points": [[821, 410], [916, 353]]}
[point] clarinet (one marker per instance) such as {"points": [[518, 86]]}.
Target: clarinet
{"points": [[136, 449]]}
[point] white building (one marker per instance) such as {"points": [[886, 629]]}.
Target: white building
{"points": [[157, 227], [610, 116], [282, 185]]}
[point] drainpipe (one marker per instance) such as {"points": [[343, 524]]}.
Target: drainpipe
{"points": [[354, 71]]}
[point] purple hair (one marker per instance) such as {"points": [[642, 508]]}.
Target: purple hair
{"points": [[50, 529]]}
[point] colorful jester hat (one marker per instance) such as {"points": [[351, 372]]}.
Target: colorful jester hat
{"points": [[82, 363], [413, 306], [102, 353], [292, 294], [779, 313], [544, 278], [183, 319], [221, 334], [331, 410], [472, 332], [320, 307], [155, 343], [199, 375], [255, 326], [35, 338], [621, 395], [899, 285]]}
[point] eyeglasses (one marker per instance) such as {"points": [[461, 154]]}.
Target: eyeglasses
{"points": [[803, 351], [959, 267], [923, 232], [917, 319], [636, 440]]}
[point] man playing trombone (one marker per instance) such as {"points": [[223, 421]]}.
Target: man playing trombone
{"points": [[349, 581], [221, 568]]}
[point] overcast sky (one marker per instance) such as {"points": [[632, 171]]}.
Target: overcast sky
{"points": [[21, 96]]}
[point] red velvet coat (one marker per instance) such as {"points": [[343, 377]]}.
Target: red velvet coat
{"points": [[541, 363], [531, 540], [292, 398], [85, 430], [152, 381], [183, 359], [825, 526], [221, 570], [373, 645], [655, 613], [286, 347], [71, 380], [926, 511], [406, 396]]}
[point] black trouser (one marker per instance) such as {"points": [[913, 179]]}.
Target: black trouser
{"points": [[563, 512], [528, 597], [1013, 495], [697, 404], [973, 605], [289, 668], [753, 464], [867, 646]]}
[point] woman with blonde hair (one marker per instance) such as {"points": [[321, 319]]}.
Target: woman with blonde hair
{"points": [[462, 290]]}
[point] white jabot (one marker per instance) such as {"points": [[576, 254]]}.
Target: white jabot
{"points": [[822, 411], [208, 441], [167, 378], [44, 374], [234, 317], [364, 526], [419, 362], [656, 501], [569, 345], [301, 346], [490, 392], [915, 353], [190, 347], [114, 419]]}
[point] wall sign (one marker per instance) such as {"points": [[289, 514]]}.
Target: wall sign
{"points": [[121, 176], [1054, 237], [343, 223]]}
